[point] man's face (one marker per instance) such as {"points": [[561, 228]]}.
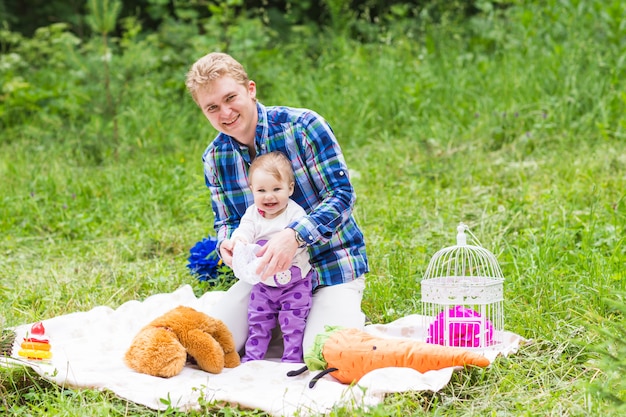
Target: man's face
{"points": [[230, 107]]}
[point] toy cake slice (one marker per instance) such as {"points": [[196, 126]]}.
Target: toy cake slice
{"points": [[36, 345]]}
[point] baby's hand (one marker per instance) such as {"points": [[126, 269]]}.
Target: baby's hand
{"points": [[239, 240], [226, 251]]}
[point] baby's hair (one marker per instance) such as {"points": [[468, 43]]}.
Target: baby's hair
{"points": [[275, 163]]}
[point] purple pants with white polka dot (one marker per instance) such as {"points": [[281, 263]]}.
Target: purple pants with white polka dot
{"points": [[288, 305]]}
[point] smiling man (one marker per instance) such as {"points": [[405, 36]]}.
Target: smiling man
{"points": [[228, 99]]}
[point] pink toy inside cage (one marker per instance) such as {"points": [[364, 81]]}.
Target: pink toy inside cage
{"points": [[464, 329]]}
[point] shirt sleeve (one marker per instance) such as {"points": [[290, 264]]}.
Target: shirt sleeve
{"points": [[329, 179], [225, 175]]}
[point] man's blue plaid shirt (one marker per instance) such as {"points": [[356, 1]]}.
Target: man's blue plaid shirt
{"points": [[322, 188]]}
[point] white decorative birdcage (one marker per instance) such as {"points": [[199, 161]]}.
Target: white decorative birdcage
{"points": [[462, 296]]}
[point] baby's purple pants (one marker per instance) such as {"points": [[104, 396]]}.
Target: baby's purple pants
{"points": [[289, 305]]}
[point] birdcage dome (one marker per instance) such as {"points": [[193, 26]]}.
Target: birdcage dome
{"points": [[462, 295]]}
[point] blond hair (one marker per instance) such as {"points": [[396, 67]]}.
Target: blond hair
{"points": [[274, 163], [211, 67]]}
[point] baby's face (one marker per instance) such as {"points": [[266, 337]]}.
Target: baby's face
{"points": [[271, 195]]}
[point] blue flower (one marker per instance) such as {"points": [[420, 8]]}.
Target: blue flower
{"points": [[204, 261]]}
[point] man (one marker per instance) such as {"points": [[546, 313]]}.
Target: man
{"points": [[227, 97]]}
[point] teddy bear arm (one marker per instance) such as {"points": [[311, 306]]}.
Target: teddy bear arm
{"points": [[224, 337], [220, 332], [231, 359], [206, 351]]}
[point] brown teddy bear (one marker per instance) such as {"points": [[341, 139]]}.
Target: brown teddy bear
{"points": [[161, 348]]}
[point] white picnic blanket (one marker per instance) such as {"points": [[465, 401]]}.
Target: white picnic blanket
{"points": [[88, 349]]}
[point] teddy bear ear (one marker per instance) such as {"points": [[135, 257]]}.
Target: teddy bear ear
{"points": [[156, 351]]}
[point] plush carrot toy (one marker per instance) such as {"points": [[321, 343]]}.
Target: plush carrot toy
{"points": [[348, 354]]}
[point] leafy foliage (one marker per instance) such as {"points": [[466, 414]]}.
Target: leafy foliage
{"points": [[103, 15], [26, 16]]}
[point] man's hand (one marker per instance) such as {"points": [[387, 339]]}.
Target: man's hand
{"points": [[277, 254]]}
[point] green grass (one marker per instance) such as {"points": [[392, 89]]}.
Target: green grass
{"points": [[512, 124]]}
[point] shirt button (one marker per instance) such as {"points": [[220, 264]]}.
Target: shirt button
{"points": [[263, 146]]}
